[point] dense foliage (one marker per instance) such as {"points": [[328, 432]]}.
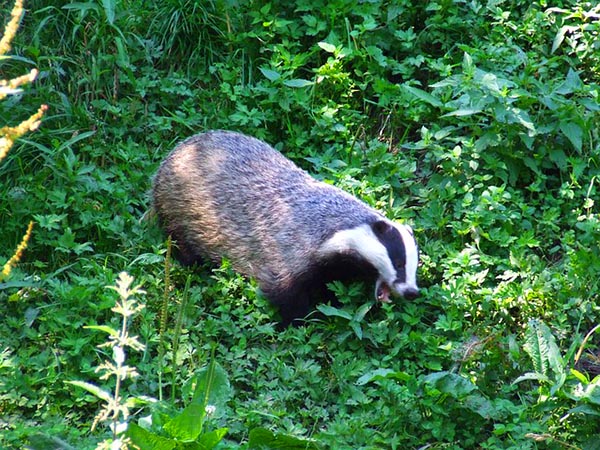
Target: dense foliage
{"points": [[475, 121]]}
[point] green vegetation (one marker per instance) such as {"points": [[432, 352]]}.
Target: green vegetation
{"points": [[475, 121]]}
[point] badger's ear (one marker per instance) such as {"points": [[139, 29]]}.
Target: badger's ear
{"points": [[380, 227]]}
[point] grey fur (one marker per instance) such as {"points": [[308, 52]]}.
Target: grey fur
{"points": [[224, 194]]}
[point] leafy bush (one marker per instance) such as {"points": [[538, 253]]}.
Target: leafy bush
{"points": [[477, 122]]}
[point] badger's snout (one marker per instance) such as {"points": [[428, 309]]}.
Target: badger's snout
{"points": [[410, 293]]}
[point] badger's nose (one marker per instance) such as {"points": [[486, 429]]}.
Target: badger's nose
{"points": [[410, 293]]}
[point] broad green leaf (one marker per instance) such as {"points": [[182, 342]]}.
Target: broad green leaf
{"points": [[468, 65], [571, 84], [147, 440], [357, 329], [450, 383], [574, 133], [298, 83], [261, 438], [532, 376], [93, 389], [210, 440], [104, 328], [560, 37], [212, 386], [329, 48], [523, 118], [373, 375], [330, 311], [362, 311], [463, 112], [109, 10], [187, 426], [541, 347], [423, 95], [271, 75], [40, 441], [481, 405]]}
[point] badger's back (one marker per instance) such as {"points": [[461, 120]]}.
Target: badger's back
{"points": [[224, 194]]}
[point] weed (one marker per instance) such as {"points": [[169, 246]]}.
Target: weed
{"points": [[476, 122]]}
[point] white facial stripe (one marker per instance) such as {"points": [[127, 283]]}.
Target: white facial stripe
{"points": [[363, 241], [412, 255]]}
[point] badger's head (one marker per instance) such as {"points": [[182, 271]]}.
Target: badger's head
{"points": [[395, 255], [387, 246]]}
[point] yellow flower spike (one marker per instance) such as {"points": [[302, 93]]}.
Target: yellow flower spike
{"points": [[10, 134], [11, 27], [8, 86], [18, 253]]}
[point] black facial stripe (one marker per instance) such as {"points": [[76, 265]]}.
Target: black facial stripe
{"points": [[391, 239]]}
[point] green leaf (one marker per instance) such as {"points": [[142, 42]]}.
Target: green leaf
{"points": [[187, 426], [271, 75], [482, 406], [571, 84], [362, 311], [463, 112], [147, 440], [109, 10], [93, 389], [450, 383], [374, 375], [330, 311], [329, 48], [357, 329], [574, 133], [541, 347], [104, 328], [423, 95], [210, 440], [261, 438], [39, 441], [212, 386], [298, 83]]}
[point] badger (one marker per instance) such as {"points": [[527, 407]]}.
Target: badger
{"points": [[222, 194]]}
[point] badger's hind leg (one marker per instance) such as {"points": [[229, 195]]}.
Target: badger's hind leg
{"points": [[183, 251]]}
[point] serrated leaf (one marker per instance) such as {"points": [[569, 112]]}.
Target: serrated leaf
{"points": [[573, 133], [269, 74], [93, 389], [298, 83]]}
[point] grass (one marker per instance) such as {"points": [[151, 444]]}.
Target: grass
{"points": [[476, 123]]}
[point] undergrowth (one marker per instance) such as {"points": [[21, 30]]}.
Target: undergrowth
{"points": [[476, 122]]}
